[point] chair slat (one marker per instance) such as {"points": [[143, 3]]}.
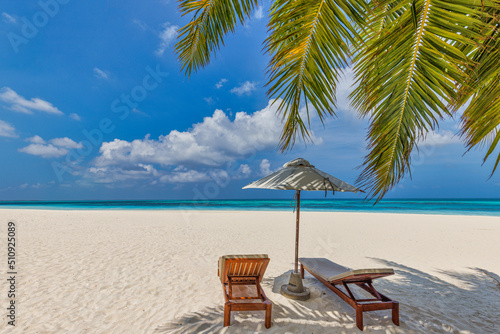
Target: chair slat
{"points": [[244, 270]]}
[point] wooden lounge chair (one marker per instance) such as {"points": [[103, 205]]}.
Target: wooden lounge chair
{"points": [[246, 270], [333, 275]]}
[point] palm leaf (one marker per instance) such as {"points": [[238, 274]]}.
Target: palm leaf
{"points": [[481, 118], [413, 59], [204, 34], [407, 71], [308, 44]]}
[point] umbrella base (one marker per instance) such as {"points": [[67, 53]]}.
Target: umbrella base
{"points": [[294, 289]]}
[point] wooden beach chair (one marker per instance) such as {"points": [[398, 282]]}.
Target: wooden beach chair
{"points": [[333, 276], [244, 270]]}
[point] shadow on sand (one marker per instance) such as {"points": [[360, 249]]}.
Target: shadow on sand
{"points": [[434, 305], [428, 304]]}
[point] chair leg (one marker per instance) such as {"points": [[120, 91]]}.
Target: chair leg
{"points": [[395, 313], [359, 317], [227, 314], [267, 321], [302, 271]]}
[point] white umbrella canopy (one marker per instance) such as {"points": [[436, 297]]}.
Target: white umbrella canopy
{"points": [[298, 175]]}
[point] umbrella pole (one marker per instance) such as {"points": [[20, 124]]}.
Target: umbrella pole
{"points": [[297, 234], [295, 289]]}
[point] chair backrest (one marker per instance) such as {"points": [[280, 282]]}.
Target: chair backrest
{"points": [[242, 266]]}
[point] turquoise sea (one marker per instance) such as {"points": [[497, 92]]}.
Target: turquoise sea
{"points": [[483, 207]]}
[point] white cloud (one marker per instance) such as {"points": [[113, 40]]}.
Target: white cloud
{"points": [[55, 148], [245, 88], [141, 172], [221, 83], [140, 23], [20, 104], [8, 18], [265, 167], [344, 88], [74, 116], [7, 130], [36, 140], [213, 142], [209, 100], [114, 174], [45, 151], [37, 185], [244, 171], [65, 142], [139, 112], [446, 137], [198, 154], [185, 176], [100, 74], [167, 35], [259, 12]]}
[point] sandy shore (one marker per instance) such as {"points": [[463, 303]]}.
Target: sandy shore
{"points": [[128, 271]]}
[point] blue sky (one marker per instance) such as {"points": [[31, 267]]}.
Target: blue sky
{"points": [[93, 106]]}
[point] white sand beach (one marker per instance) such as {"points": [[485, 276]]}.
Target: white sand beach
{"points": [[127, 271]]}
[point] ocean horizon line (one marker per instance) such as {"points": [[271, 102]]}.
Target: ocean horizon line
{"points": [[446, 206], [258, 199]]}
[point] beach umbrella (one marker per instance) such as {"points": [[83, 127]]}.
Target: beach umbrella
{"points": [[299, 175]]}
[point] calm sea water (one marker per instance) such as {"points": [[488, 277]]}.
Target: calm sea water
{"points": [[488, 207]]}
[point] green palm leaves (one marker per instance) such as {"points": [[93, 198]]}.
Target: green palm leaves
{"points": [[212, 19], [407, 72], [481, 118], [415, 62], [308, 44]]}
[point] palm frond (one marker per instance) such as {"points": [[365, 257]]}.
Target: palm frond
{"points": [[204, 34], [308, 44], [407, 74], [481, 118]]}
